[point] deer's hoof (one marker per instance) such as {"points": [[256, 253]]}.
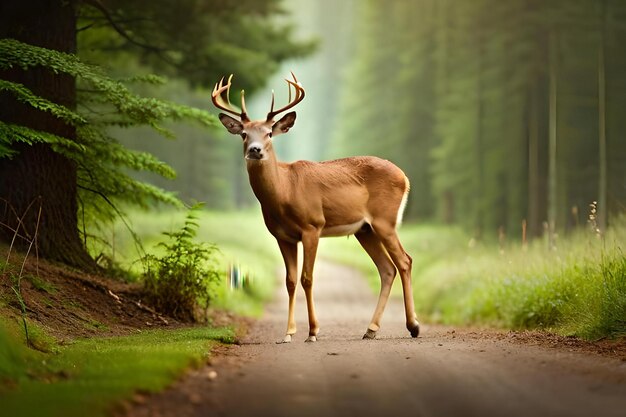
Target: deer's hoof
{"points": [[370, 334], [286, 339], [414, 329], [311, 339]]}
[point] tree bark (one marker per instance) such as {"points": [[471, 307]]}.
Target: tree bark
{"points": [[534, 178], [602, 154], [552, 147], [478, 143], [37, 176]]}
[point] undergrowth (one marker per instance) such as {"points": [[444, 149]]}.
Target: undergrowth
{"points": [[242, 239], [185, 275], [578, 288]]}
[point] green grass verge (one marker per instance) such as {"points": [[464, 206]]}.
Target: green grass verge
{"points": [[89, 376], [94, 374], [578, 289]]}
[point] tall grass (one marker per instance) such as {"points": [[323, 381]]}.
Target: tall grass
{"points": [[577, 289]]}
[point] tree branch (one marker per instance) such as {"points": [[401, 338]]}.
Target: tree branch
{"points": [[115, 25]]}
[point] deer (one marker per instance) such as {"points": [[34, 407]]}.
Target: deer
{"points": [[303, 201]]}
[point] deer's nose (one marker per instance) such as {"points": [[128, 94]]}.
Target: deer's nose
{"points": [[254, 152]]}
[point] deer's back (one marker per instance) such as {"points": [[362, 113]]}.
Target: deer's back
{"points": [[347, 191], [360, 171]]}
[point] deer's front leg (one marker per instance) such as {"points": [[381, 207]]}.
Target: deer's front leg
{"points": [[310, 239], [290, 256]]}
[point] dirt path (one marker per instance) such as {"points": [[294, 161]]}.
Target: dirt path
{"points": [[445, 372]]}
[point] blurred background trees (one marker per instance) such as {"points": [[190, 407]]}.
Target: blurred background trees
{"points": [[501, 113], [498, 111]]}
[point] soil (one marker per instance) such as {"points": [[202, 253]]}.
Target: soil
{"points": [[70, 304], [445, 371]]}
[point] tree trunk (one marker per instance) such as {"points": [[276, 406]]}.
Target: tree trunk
{"points": [[534, 218], [552, 147], [478, 144], [602, 186], [37, 176]]}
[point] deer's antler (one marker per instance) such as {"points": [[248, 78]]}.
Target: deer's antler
{"points": [[218, 101], [299, 96]]}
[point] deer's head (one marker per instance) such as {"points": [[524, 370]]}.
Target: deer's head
{"points": [[256, 134]]}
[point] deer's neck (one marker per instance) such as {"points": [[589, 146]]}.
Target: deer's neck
{"points": [[266, 182]]}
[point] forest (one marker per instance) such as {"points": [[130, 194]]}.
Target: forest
{"points": [[133, 249], [502, 114]]}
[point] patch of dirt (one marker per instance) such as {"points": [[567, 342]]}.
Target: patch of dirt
{"points": [[71, 304], [606, 347], [613, 348]]}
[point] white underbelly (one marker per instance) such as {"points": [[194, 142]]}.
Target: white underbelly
{"points": [[343, 229]]}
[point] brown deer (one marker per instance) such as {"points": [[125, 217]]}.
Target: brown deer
{"points": [[303, 201]]}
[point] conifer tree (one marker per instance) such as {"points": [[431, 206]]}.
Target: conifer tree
{"points": [[63, 161]]}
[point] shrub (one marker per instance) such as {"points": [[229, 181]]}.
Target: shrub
{"points": [[187, 274]]}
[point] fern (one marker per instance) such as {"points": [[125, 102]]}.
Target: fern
{"points": [[186, 276]]}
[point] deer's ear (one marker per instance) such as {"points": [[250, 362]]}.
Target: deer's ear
{"points": [[284, 124], [234, 126]]}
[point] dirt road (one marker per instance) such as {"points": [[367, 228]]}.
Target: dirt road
{"points": [[445, 372]]}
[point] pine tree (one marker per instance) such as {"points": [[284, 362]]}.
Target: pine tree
{"points": [[64, 161]]}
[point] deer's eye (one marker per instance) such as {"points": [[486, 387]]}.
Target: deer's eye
{"points": [[244, 135], [269, 134]]}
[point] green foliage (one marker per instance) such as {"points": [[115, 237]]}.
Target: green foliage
{"points": [[11, 134], [25, 96], [103, 163], [585, 296], [456, 93], [242, 238], [14, 355], [187, 273], [524, 301], [92, 374], [194, 43], [598, 306], [579, 289], [198, 41], [41, 284]]}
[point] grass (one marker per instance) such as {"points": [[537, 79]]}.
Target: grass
{"points": [[93, 374], [428, 245], [40, 284], [578, 289]]}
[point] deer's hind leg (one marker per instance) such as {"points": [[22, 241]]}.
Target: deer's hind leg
{"points": [[387, 271], [387, 234]]}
